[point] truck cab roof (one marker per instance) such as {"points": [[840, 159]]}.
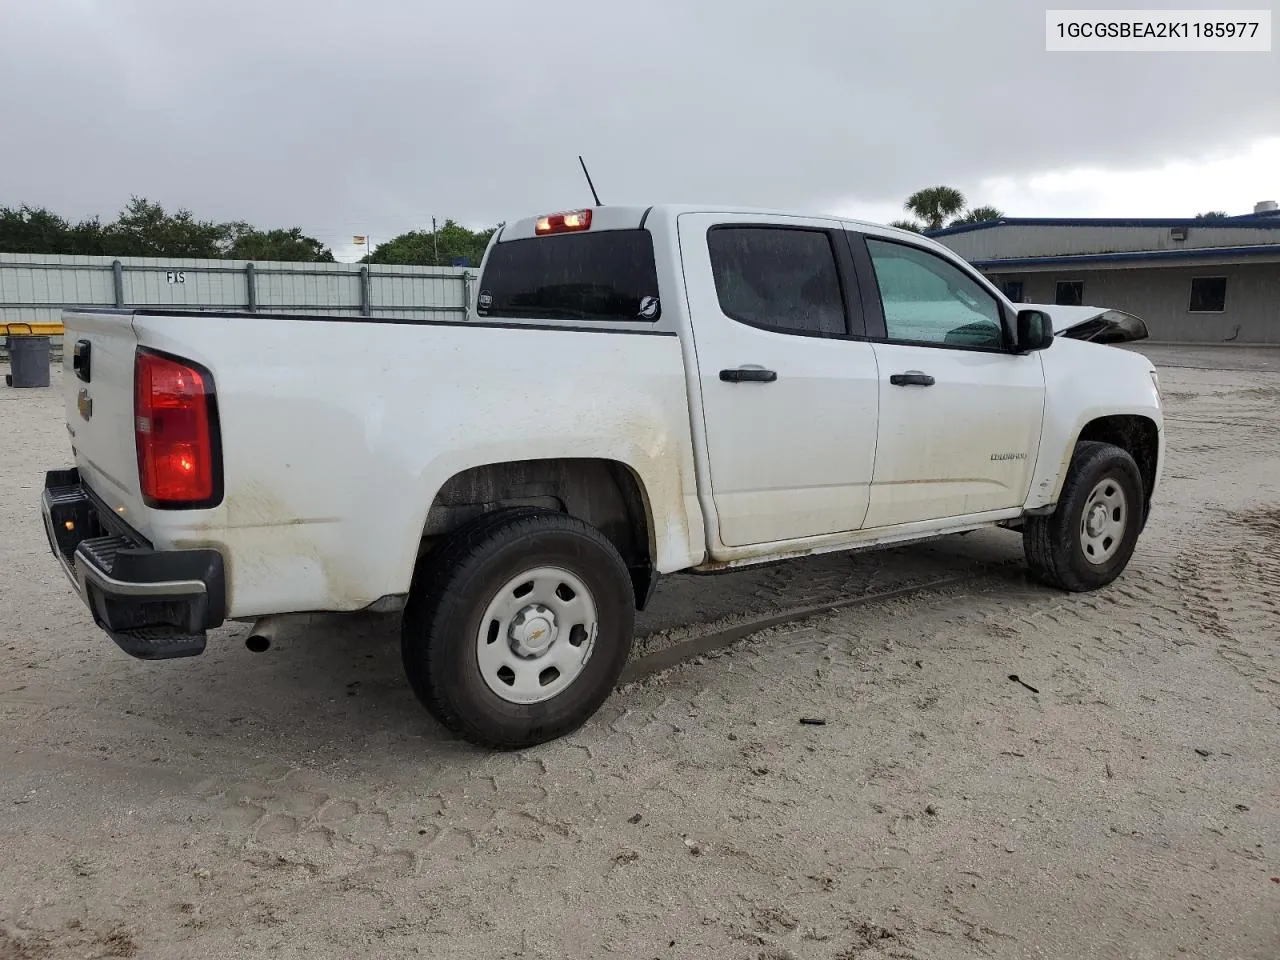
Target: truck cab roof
{"points": [[632, 217]]}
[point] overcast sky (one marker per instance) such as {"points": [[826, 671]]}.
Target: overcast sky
{"points": [[373, 117]]}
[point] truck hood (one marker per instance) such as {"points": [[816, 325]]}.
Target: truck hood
{"points": [[1096, 324]]}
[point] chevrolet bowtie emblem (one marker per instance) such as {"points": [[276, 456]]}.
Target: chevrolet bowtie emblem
{"points": [[84, 403]]}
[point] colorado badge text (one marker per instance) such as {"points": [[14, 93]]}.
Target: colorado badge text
{"points": [[1158, 31]]}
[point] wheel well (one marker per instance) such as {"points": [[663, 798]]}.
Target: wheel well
{"points": [[603, 493], [1135, 434]]}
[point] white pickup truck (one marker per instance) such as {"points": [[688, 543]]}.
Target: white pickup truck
{"points": [[632, 392]]}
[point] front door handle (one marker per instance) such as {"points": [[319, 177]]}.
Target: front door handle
{"points": [[911, 378], [748, 375]]}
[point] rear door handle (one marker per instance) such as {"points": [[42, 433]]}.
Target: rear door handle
{"points": [[911, 378], [748, 375]]}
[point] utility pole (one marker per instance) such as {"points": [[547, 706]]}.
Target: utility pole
{"points": [[435, 244]]}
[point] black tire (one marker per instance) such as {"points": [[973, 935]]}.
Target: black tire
{"points": [[1054, 545], [451, 590]]}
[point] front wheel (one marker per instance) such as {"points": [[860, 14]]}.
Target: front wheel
{"points": [[1087, 541], [518, 627]]}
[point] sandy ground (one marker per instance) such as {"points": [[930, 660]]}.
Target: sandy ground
{"points": [[299, 803]]}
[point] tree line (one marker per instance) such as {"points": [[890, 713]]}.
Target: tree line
{"points": [[146, 229]]}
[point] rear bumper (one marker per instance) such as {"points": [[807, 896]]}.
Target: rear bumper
{"points": [[156, 604]]}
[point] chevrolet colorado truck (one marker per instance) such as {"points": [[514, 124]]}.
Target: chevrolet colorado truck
{"points": [[631, 392]]}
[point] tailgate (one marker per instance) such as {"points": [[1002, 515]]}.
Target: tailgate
{"points": [[98, 351]]}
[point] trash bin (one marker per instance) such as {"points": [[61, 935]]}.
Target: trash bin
{"points": [[28, 358]]}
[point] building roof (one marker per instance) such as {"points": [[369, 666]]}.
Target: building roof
{"points": [[1192, 253], [1252, 220]]}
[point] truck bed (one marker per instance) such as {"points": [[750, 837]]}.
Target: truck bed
{"points": [[336, 433]]}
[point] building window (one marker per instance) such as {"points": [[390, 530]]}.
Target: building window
{"points": [[1070, 293], [1208, 294]]}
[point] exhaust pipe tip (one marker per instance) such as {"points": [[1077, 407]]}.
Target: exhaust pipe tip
{"points": [[266, 628], [258, 643], [264, 631]]}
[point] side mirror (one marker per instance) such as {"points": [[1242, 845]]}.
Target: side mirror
{"points": [[1035, 331]]}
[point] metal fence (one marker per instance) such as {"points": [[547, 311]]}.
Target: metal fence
{"points": [[35, 289]]}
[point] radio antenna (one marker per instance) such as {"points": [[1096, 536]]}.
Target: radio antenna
{"points": [[594, 196]]}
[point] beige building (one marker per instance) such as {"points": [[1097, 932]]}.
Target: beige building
{"points": [[1192, 281]]}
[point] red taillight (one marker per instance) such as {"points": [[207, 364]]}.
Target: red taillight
{"points": [[564, 222], [174, 432]]}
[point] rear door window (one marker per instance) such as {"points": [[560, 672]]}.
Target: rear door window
{"points": [[609, 275], [783, 279]]}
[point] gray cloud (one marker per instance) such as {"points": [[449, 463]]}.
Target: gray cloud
{"points": [[350, 118]]}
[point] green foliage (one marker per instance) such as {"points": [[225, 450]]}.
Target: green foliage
{"points": [[978, 215], [422, 248], [146, 229], [934, 205], [29, 229], [1213, 215], [88, 238], [249, 243]]}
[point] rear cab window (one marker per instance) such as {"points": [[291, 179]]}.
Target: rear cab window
{"points": [[602, 276]]}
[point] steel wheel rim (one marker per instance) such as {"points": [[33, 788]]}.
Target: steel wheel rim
{"points": [[536, 635], [1103, 521]]}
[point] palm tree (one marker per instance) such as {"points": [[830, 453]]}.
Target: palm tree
{"points": [[934, 205], [978, 215], [906, 225], [1213, 215]]}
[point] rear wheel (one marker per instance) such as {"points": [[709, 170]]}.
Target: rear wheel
{"points": [[518, 627], [1087, 541]]}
